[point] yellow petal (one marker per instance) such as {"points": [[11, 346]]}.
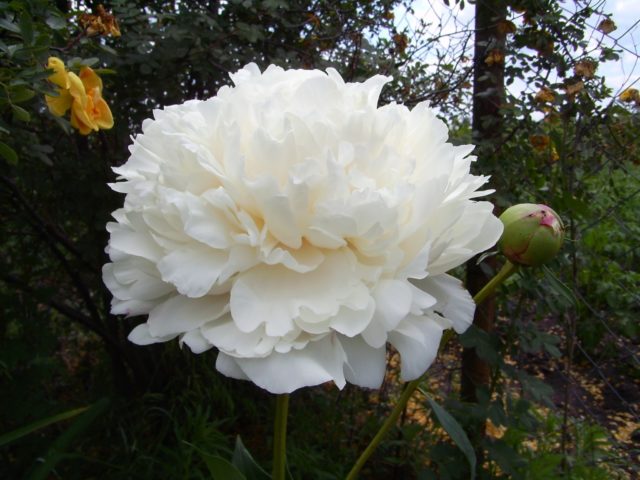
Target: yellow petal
{"points": [[90, 79], [59, 77], [60, 104], [103, 117], [78, 124], [83, 113], [77, 90]]}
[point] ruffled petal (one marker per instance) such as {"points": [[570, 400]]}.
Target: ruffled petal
{"points": [[365, 365], [319, 362], [179, 314], [417, 339]]}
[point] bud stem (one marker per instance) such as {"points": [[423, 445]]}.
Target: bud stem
{"points": [[505, 272]]}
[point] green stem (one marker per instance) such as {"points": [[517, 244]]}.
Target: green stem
{"points": [[505, 272], [280, 437], [386, 426]]}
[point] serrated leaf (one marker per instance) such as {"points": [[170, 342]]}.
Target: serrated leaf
{"points": [[456, 432], [20, 113], [10, 155], [243, 460]]}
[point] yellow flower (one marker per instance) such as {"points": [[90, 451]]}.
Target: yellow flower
{"points": [[80, 93], [629, 95]]}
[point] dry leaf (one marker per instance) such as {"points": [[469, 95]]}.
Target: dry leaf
{"points": [[607, 26], [585, 68], [401, 41], [574, 88], [506, 27], [545, 94]]}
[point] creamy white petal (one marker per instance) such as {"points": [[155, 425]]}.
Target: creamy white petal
{"points": [[393, 302], [227, 365], [142, 336], [193, 270], [454, 301], [417, 339], [319, 362], [182, 314], [195, 341], [365, 365]]}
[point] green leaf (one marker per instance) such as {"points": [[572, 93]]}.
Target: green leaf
{"points": [[45, 422], [507, 457], [455, 431], [221, 469], [57, 450], [10, 155], [7, 25], [21, 94], [56, 22], [26, 28], [560, 289], [105, 71], [89, 62], [243, 460], [20, 113]]}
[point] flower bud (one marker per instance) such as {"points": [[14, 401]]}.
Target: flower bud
{"points": [[532, 234]]}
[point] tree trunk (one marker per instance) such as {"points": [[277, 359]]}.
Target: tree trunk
{"points": [[488, 96]]}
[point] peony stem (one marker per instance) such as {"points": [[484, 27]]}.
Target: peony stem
{"points": [[280, 437], [386, 426], [505, 272]]}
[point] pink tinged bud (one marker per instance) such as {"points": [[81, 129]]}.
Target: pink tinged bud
{"points": [[533, 234]]}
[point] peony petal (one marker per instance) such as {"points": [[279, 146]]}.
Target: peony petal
{"points": [[181, 314], [227, 365], [365, 365], [193, 270], [141, 336], [225, 335], [195, 341], [319, 362], [393, 302], [351, 322], [454, 301], [417, 339], [274, 295]]}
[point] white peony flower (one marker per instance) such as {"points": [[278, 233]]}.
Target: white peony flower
{"points": [[296, 227]]}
